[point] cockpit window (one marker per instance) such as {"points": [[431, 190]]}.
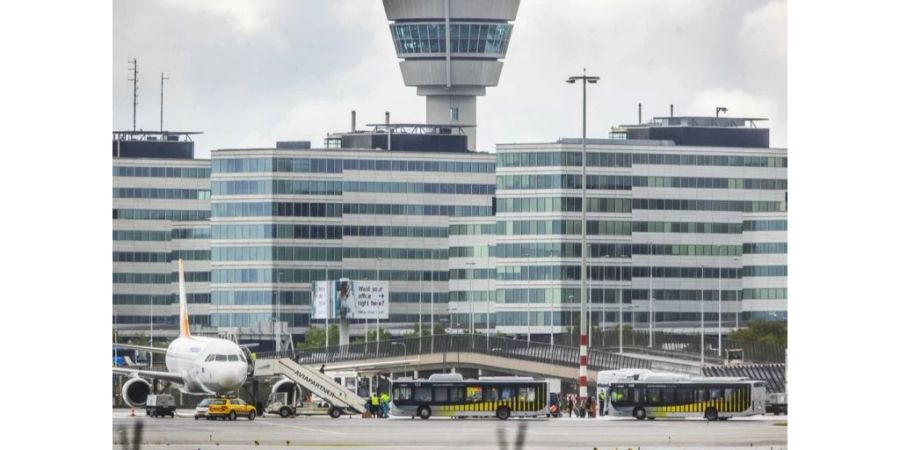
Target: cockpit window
{"points": [[221, 358], [210, 357], [242, 357], [232, 357]]}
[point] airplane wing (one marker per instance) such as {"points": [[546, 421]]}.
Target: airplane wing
{"points": [[155, 374], [142, 348]]}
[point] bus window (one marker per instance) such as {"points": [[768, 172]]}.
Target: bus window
{"points": [[617, 394], [526, 394], [402, 393], [456, 394], [440, 394], [729, 393], [668, 395], [715, 393], [507, 393], [701, 395], [473, 394], [491, 394], [637, 395], [683, 395], [422, 393], [653, 395]]}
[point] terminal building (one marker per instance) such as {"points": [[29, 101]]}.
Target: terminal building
{"points": [[283, 219], [673, 220], [161, 198]]}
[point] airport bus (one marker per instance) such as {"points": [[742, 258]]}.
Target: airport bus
{"points": [[712, 398], [449, 395]]}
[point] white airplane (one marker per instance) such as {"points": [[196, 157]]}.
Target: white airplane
{"points": [[200, 365]]}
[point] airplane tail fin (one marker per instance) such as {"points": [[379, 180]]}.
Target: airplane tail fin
{"points": [[182, 301]]}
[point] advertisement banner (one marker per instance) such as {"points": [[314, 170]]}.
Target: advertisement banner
{"points": [[371, 300], [351, 299], [321, 300]]}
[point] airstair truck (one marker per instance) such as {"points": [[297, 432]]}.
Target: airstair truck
{"points": [[340, 399]]}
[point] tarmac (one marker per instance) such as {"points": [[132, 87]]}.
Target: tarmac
{"points": [[273, 432]]}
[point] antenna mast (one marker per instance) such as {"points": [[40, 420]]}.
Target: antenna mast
{"points": [[162, 80], [134, 68]]}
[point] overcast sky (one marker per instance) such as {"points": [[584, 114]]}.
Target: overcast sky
{"points": [[250, 72]]}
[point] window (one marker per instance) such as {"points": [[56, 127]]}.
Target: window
{"points": [[527, 394], [402, 393], [456, 395], [221, 358], [233, 357], [454, 114], [440, 394], [423, 394], [473, 394], [715, 393], [701, 395], [507, 393], [653, 395], [491, 394], [683, 395]]}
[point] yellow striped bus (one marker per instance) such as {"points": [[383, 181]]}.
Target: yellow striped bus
{"points": [[709, 398], [449, 395]]}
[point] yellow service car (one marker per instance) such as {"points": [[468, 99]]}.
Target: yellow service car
{"points": [[230, 408]]}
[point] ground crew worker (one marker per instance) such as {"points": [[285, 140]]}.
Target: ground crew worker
{"points": [[385, 404], [602, 402], [375, 409]]}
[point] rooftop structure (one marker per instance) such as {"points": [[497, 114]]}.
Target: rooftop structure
{"points": [[153, 144], [451, 68], [698, 130]]}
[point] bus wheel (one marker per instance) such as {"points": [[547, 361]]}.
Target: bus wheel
{"points": [[711, 414], [334, 412], [503, 413], [425, 412], [284, 411], [639, 413]]}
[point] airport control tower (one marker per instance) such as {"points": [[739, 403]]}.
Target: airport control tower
{"points": [[451, 69]]}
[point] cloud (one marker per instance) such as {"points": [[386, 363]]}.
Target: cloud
{"points": [[247, 16]]}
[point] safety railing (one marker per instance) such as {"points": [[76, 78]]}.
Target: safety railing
{"points": [[562, 355]]}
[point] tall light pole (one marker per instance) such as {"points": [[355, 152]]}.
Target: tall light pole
{"points": [[471, 300], [621, 309], [651, 295], [528, 298], [719, 295], [151, 331], [377, 317], [702, 329], [582, 357], [431, 331]]}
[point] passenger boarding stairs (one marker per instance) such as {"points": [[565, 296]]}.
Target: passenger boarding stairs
{"points": [[314, 381]]}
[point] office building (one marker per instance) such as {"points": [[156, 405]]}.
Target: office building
{"points": [[283, 219], [677, 216], [161, 213]]}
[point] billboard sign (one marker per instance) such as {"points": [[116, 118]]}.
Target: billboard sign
{"points": [[350, 299]]}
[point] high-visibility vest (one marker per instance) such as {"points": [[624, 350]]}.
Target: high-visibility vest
{"points": [[375, 400], [385, 398]]}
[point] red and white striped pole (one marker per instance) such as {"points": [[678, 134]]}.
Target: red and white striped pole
{"points": [[582, 359]]}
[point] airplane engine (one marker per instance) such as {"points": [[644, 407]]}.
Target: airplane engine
{"points": [[135, 392], [287, 386]]}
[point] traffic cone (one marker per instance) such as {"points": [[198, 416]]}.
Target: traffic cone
{"points": [[132, 413]]}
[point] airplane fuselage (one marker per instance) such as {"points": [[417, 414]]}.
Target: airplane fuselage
{"points": [[207, 365]]}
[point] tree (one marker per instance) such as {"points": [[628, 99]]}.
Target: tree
{"points": [[761, 331], [374, 333], [315, 337]]}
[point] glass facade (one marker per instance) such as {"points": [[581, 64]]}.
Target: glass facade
{"points": [[489, 39], [160, 215]]}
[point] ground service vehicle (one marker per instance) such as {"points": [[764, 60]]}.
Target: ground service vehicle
{"points": [[202, 408], [160, 406], [449, 395], [230, 408], [709, 398]]}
